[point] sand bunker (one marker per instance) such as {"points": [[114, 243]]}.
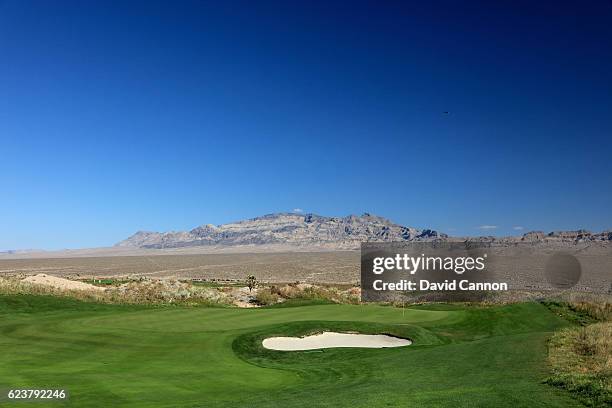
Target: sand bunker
{"points": [[60, 283], [332, 340]]}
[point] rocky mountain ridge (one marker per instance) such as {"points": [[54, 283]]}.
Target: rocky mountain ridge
{"points": [[541, 237], [311, 230], [286, 228]]}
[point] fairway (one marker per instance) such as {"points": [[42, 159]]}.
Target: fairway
{"points": [[136, 356]]}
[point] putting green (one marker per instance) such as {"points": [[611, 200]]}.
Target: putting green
{"points": [[107, 355]]}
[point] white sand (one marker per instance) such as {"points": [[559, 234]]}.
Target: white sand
{"points": [[60, 283], [332, 339]]}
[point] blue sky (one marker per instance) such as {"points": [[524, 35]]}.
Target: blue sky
{"points": [[125, 116]]}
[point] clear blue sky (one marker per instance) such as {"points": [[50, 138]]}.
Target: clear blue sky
{"points": [[124, 116]]}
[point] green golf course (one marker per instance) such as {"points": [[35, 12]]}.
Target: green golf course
{"points": [[144, 356]]}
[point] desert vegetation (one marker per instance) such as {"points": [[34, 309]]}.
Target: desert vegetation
{"points": [[307, 292], [144, 291]]}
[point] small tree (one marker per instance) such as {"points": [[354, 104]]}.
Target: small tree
{"points": [[251, 282]]}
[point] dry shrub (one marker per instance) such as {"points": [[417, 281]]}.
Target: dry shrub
{"points": [[354, 294], [267, 296], [289, 292], [314, 292], [166, 291]]}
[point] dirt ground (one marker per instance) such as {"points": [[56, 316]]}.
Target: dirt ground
{"points": [[521, 270], [59, 283], [321, 267]]}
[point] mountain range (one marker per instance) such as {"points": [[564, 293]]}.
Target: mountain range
{"points": [[311, 230], [286, 228]]}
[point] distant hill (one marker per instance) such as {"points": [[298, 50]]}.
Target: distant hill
{"points": [[286, 228]]}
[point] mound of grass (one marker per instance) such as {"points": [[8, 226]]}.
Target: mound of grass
{"points": [[570, 312], [581, 308], [581, 356]]}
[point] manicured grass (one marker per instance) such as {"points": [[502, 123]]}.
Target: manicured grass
{"points": [[136, 356]]}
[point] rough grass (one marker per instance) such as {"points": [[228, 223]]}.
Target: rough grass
{"points": [[581, 359], [598, 306], [581, 356]]}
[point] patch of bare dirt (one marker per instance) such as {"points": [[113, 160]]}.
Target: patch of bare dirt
{"points": [[243, 297], [60, 283]]}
